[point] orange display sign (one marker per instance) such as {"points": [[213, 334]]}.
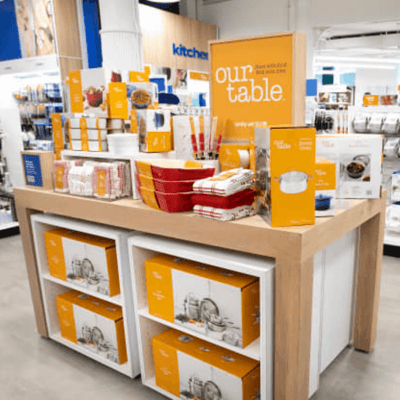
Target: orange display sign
{"points": [[256, 81], [57, 131], [199, 76], [371, 100]]}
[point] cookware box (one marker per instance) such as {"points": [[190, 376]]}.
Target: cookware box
{"points": [[359, 169], [284, 162], [212, 301], [94, 324], [85, 260], [191, 368], [325, 187]]}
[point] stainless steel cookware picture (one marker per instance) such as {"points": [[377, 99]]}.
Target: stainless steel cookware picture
{"points": [[191, 306], [293, 182], [212, 391], [357, 167], [208, 309]]}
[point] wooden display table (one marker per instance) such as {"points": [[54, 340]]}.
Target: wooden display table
{"points": [[292, 248]]}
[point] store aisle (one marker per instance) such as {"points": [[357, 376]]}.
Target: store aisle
{"points": [[33, 368]]}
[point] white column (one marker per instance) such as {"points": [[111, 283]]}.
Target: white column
{"points": [[121, 37]]}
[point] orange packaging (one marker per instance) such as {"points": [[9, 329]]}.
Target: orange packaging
{"points": [[93, 324], [325, 187], [285, 175], [190, 368], [85, 260], [213, 301]]}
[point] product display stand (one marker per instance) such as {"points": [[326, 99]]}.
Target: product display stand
{"points": [[292, 248]]}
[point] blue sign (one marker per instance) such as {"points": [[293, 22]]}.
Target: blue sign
{"points": [[191, 53], [33, 170]]}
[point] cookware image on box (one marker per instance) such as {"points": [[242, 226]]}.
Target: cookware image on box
{"points": [[96, 333], [293, 182], [86, 266], [356, 167], [324, 200]]}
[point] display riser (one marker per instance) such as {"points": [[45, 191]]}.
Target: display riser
{"points": [[52, 287]]}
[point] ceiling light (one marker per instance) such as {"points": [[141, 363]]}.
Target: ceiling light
{"points": [[355, 65], [358, 59]]}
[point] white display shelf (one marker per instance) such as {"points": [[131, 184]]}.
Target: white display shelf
{"points": [[114, 300], [151, 383], [52, 287], [391, 238], [143, 246], [251, 351], [122, 368], [11, 225]]}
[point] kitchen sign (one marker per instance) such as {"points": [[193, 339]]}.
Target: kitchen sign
{"points": [[258, 81], [180, 50]]}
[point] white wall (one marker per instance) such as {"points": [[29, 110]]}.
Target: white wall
{"points": [[376, 81], [324, 13], [238, 18]]}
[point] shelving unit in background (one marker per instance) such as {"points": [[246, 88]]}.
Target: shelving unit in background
{"points": [[143, 247], [52, 287]]}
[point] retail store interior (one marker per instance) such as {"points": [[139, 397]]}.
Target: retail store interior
{"points": [[199, 199]]}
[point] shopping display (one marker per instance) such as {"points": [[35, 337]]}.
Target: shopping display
{"points": [[94, 324], [285, 175], [200, 370], [84, 260], [213, 301], [325, 187]]}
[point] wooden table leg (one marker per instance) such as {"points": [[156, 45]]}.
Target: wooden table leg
{"points": [[369, 281], [293, 312], [24, 219]]}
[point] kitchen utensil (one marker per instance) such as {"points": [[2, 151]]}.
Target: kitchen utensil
{"points": [[201, 138], [191, 306], [193, 139], [87, 268], [218, 146], [196, 387], [212, 137], [356, 168], [215, 323], [293, 182], [97, 335], [211, 391], [207, 308], [322, 202]]}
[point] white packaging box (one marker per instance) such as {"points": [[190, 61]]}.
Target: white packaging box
{"points": [[91, 123], [93, 134], [93, 145], [182, 135], [359, 167]]}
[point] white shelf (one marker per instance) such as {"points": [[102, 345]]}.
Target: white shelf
{"points": [[122, 368], [391, 238], [151, 383], [53, 287], [9, 226], [251, 351], [114, 300], [143, 247], [111, 156]]}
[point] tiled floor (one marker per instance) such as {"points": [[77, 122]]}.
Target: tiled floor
{"points": [[33, 368]]}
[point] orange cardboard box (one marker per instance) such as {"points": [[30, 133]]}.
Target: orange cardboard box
{"points": [[93, 324], [325, 187], [213, 301], [285, 175], [188, 367], [85, 260]]}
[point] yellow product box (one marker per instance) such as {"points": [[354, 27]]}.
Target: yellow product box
{"points": [[94, 324], [89, 89], [215, 302], [125, 97], [155, 133], [190, 368], [325, 187], [234, 155], [58, 133], [285, 175], [85, 260]]}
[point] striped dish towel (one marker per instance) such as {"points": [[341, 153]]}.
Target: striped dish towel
{"points": [[220, 214], [226, 183]]}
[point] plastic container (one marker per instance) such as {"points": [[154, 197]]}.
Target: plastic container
{"points": [[121, 143]]}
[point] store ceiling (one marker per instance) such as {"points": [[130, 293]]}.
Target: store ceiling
{"points": [[367, 41]]}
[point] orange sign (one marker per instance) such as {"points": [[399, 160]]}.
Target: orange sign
{"points": [[199, 76], [253, 83], [371, 100], [57, 131]]}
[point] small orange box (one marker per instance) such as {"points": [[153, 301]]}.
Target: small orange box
{"points": [[94, 324], [189, 367], [213, 301], [85, 260]]}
